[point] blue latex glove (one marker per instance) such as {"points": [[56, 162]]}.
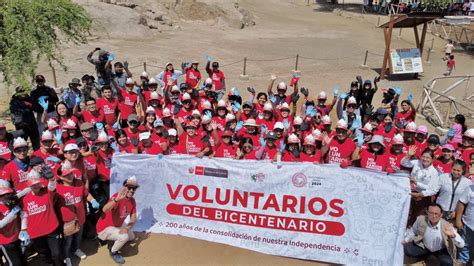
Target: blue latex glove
{"points": [[53, 159], [398, 91], [25, 237], [160, 156], [262, 142], [16, 209], [344, 95], [58, 136], [360, 139], [236, 106], [208, 58], [335, 91], [282, 146], [111, 57], [451, 132], [208, 113], [178, 102], [239, 126], [115, 147], [43, 103], [78, 99], [95, 204], [115, 126], [100, 126], [410, 98], [220, 94], [356, 124], [236, 91], [286, 123], [175, 76], [309, 110], [137, 90], [264, 129], [273, 99]]}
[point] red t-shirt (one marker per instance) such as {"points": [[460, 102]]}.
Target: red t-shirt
{"points": [[117, 215], [91, 118], [225, 151], [217, 79], [109, 109], [442, 167], [339, 152], [420, 147], [15, 175], [314, 158], [190, 145], [289, 157], [42, 219], [369, 160], [72, 201], [90, 166], [127, 106], [250, 156], [394, 160], [192, 77], [269, 153], [9, 232], [132, 135], [167, 75], [154, 149], [404, 118], [104, 163], [126, 149], [5, 152]]}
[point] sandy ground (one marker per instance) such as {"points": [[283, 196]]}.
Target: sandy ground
{"points": [[331, 47]]}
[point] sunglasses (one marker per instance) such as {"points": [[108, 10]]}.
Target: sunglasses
{"points": [[351, 106], [131, 188], [133, 122], [82, 145], [24, 149]]}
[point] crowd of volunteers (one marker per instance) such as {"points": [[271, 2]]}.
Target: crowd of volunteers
{"points": [[55, 191]]}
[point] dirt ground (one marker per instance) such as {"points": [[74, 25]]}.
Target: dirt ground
{"points": [[331, 47]]}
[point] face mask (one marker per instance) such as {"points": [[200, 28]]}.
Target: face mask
{"points": [[388, 127]]}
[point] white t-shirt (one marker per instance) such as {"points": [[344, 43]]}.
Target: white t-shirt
{"points": [[449, 48], [468, 199]]}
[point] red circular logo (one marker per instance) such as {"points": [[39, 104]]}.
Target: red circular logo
{"points": [[299, 180]]}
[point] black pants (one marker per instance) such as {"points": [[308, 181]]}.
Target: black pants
{"points": [[12, 254], [49, 246], [31, 132], [413, 250]]}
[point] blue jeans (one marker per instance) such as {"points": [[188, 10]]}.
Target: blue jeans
{"points": [[414, 251], [72, 243], [466, 252]]}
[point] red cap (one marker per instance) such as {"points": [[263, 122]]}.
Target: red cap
{"points": [[227, 133], [5, 190]]}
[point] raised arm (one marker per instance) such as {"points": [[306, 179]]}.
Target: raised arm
{"points": [[270, 86]]}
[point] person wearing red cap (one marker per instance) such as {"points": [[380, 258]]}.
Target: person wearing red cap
{"points": [[5, 139], [108, 106], [111, 224], [10, 225], [16, 170], [340, 148], [310, 152], [421, 140], [190, 142], [225, 148], [445, 162], [42, 223]]}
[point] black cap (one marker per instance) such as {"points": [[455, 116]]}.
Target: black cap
{"points": [[215, 64], [433, 139], [271, 135], [40, 78], [80, 140], [35, 161], [354, 83]]}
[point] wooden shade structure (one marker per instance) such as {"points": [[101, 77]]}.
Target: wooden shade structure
{"points": [[411, 20]]}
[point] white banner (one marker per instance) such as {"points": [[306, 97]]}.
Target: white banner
{"points": [[301, 210]]}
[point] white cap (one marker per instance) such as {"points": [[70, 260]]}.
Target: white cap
{"points": [[250, 122], [47, 135], [144, 135], [152, 81], [154, 95], [52, 123], [298, 120], [322, 95], [469, 133], [309, 140], [196, 112], [205, 119], [131, 181], [341, 124], [208, 81], [166, 112], [293, 139], [71, 147], [285, 106], [317, 135], [186, 96], [206, 105], [397, 139], [229, 117], [172, 132], [278, 125], [411, 127], [368, 127], [150, 109], [102, 137], [352, 100], [221, 103], [70, 124], [267, 107], [281, 86], [175, 88], [129, 81], [144, 74], [326, 120], [33, 174], [19, 142]]}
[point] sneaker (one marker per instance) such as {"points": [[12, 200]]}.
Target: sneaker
{"points": [[117, 257], [80, 254], [68, 262]]}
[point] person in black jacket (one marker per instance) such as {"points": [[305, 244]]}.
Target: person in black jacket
{"points": [[42, 90], [21, 109]]}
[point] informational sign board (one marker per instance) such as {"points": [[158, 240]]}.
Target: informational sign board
{"points": [[405, 61]]}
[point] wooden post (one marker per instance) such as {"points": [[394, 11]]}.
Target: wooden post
{"points": [[54, 75], [296, 63], [144, 66], [423, 36], [388, 40], [245, 66]]}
